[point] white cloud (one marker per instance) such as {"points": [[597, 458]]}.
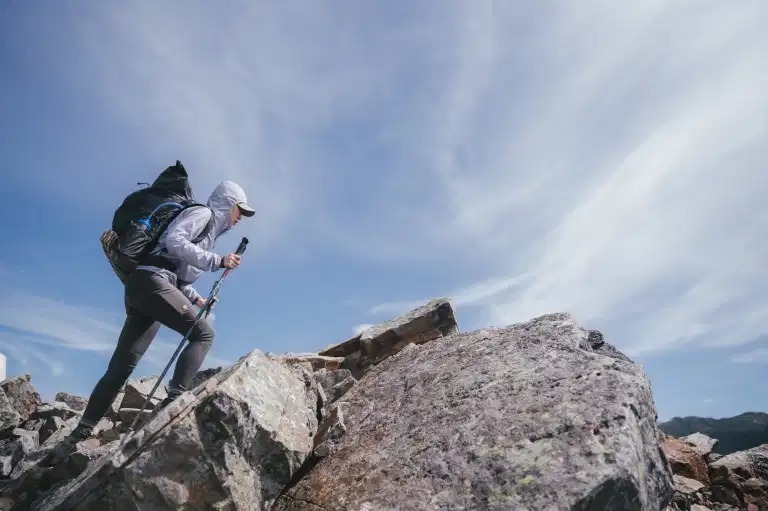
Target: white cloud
{"points": [[758, 356]]}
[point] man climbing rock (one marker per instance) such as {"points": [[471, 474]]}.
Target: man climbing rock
{"points": [[159, 292]]}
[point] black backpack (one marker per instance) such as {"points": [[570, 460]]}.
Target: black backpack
{"points": [[143, 217]]}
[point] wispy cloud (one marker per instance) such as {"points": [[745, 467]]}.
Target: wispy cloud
{"points": [[245, 90], [21, 349], [601, 160], [35, 324], [57, 323], [622, 172], [757, 356], [478, 294]]}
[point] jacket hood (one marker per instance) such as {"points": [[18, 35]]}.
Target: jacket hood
{"points": [[223, 197]]}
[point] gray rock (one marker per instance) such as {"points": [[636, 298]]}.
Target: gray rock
{"points": [[701, 443], [28, 486], [103, 425], [234, 443], [317, 361], [59, 434], [77, 403], [22, 394], [51, 425], [337, 391], [595, 342], [20, 445], [713, 456], [114, 409], [335, 383], [9, 417], [524, 417], [328, 379], [109, 436], [27, 477], [331, 430], [56, 409], [127, 416], [431, 321], [687, 485], [203, 376], [136, 392], [33, 424], [741, 478]]}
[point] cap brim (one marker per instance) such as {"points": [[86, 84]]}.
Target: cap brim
{"points": [[245, 209]]}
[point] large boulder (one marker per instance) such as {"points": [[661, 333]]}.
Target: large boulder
{"points": [[741, 478], [22, 394], [233, 443], [426, 323], [538, 415]]}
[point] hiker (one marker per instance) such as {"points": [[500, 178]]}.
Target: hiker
{"points": [[159, 292]]}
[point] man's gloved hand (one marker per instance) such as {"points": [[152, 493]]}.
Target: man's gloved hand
{"points": [[108, 239], [201, 303]]}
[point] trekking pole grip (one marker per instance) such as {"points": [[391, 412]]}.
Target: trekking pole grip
{"points": [[241, 247]]}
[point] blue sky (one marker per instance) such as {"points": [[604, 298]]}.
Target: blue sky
{"points": [[520, 158]]}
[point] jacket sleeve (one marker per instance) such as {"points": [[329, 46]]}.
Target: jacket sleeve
{"points": [[183, 229]]}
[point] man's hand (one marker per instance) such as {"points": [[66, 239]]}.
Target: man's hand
{"points": [[201, 301], [230, 261]]}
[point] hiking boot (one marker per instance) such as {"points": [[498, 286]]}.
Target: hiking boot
{"points": [[174, 391], [67, 446], [165, 402]]}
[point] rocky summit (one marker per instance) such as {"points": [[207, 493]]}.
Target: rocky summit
{"points": [[410, 414]]}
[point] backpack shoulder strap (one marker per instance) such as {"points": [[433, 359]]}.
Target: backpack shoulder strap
{"points": [[208, 226], [153, 243]]}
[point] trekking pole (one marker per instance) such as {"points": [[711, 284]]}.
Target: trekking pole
{"points": [[203, 310]]}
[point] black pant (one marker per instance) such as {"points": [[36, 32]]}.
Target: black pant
{"points": [[150, 300]]}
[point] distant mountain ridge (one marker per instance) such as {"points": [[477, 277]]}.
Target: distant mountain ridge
{"points": [[734, 434]]}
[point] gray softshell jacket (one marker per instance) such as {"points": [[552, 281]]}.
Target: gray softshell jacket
{"points": [[192, 259]]}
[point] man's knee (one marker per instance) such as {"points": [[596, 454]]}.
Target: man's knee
{"points": [[203, 332]]}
